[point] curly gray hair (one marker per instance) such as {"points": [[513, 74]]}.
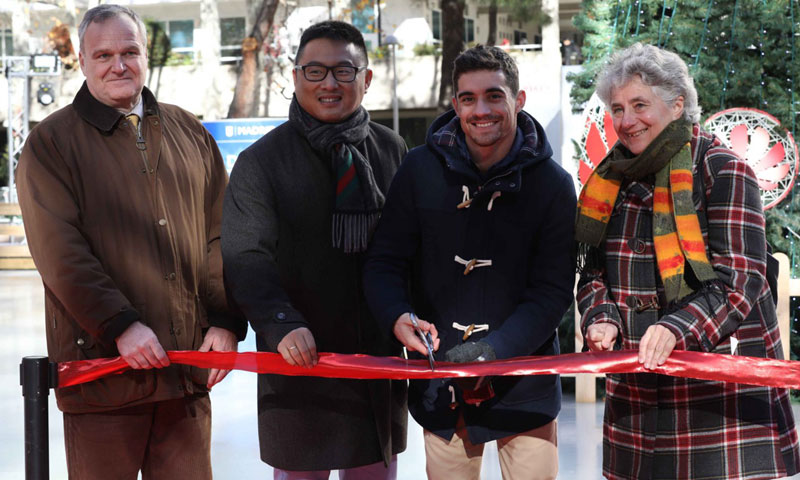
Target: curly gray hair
{"points": [[663, 71]]}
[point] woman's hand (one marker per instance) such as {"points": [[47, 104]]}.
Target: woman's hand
{"points": [[656, 346], [601, 336]]}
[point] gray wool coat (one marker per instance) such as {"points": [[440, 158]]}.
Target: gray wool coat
{"points": [[283, 273]]}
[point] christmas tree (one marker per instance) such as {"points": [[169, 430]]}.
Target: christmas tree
{"points": [[741, 53]]}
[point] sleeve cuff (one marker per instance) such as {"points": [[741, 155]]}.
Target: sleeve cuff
{"points": [[604, 313], [280, 322], [233, 323], [117, 324], [390, 316], [682, 329]]}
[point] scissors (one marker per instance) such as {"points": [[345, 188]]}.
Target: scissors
{"points": [[425, 337]]}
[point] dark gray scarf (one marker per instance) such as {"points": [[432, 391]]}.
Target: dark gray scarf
{"points": [[358, 199]]}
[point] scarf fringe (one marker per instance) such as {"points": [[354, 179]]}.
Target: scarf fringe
{"points": [[351, 231]]}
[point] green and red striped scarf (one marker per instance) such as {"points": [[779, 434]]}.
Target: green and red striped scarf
{"points": [[358, 201], [677, 236]]}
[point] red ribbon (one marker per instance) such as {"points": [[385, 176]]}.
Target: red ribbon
{"points": [[705, 366]]}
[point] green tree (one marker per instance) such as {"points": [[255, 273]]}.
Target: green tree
{"points": [[521, 10]]}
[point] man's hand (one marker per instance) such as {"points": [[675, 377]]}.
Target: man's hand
{"points": [[407, 335], [140, 347], [299, 348], [601, 336], [656, 345], [218, 340]]}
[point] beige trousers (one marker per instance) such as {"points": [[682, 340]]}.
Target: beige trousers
{"points": [[531, 455]]}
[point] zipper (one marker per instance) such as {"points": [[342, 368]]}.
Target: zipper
{"points": [[142, 146]]}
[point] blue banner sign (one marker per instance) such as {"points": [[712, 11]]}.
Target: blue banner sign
{"points": [[234, 135]]}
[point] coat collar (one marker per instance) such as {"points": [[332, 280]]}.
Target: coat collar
{"points": [[103, 117], [446, 139]]}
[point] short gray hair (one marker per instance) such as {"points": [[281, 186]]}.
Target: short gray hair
{"points": [[663, 71], [101, 13]]}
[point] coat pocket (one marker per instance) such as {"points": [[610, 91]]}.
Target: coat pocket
{"points": [[115, 390]]}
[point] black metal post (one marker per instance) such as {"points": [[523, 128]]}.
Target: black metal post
{"points": [[35, 376]]}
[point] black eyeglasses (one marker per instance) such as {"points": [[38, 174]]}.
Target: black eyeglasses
{"points": [[317, 73]]}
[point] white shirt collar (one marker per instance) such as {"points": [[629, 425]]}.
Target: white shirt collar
{"points": [[139, 108]]}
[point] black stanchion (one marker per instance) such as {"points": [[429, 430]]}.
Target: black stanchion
{"points": [[36, 378]]}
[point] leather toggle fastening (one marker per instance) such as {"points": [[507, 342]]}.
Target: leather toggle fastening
{"points": [[470, 329], [491, 202], [472, 264], [466, 200]]}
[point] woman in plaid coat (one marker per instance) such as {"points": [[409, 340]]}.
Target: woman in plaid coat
{"points": [[673, 256]]}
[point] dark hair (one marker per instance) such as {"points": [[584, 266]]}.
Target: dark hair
{"points": [[336, 31], [101, 13], [481, 57]]}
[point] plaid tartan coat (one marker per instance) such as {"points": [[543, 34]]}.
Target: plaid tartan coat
{"points": [[661, 427]]}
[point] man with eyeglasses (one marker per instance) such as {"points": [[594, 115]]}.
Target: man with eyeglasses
{"points": [[298, 214]]}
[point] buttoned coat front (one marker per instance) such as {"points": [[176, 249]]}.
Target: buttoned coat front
{"points": [[121, 233], [284, 273], [661, 427], [519, 227]]}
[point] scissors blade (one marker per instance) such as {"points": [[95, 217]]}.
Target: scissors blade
{"points": [[426, 338], [429, 345]]}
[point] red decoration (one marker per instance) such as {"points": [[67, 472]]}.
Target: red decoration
{"points": [[597, 138], [706, 366], [758, 138]]}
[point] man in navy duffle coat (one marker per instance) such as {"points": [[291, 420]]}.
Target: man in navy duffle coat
{"points": [[476, 240]]}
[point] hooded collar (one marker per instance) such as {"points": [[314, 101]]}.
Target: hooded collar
{"points": [[103, 117], [530, 146]]}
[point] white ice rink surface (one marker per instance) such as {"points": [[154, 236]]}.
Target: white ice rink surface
{"points": [[234, 441]]}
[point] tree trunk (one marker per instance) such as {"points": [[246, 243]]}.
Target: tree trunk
{"points": [[492, 38], [452, 45], [245, 101]]}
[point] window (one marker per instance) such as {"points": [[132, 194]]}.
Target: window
{"points": [[181, 40], [231, 34], [436, 24], [6, 42], [469, 30], [520, 38]]}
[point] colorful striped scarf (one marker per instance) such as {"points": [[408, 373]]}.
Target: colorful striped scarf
{"points": [[677, 236]]}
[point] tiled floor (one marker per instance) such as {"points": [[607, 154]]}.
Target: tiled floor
{"points": [[234, 446]]}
